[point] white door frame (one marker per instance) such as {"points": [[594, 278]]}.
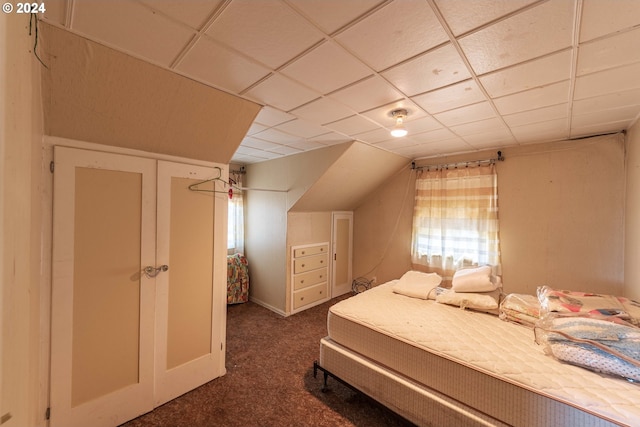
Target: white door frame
{"points": [[342, 288]]}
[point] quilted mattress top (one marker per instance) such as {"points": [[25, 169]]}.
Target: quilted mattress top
{"points": [[488, 344]]}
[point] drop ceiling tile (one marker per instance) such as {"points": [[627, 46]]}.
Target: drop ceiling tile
{"points": [[323, 111], [604, 116], [382, 115], [432, 70], [194, 13], [422, 124], [302, 128], [543, 131], [493, 124], [545, 114], [285, 150], [203, 61], [417, 151], [277, 136], [393, 144], [367, 94], [260, 144], [331, 15], [476, 13], [394, 33], [600, 17], [353, 125], [331, 138], [450, 97], [306, 145], [269, 116], [326, 68], [556, 93], [249, 151], [608, 101], [487, 140], [467, 114], [538, 31], [132, 28], [528, 75], [255, 128], [610, 52], [281, 92], [268, 31], [375, 136], [610, 81], [599, 128], [441, 134], [449, 146]]}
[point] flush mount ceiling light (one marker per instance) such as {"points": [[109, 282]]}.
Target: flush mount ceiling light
{"points": [[398, 129]]}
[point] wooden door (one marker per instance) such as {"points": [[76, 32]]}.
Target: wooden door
{"points": [[139, 285], [191, 307], [342, 252], [102, 303]]}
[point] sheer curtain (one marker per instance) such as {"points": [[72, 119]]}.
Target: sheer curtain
{"points": [[455, 221], [235, 232]]}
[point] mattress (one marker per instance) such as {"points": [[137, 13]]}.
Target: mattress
{"points": [[478, 361]]}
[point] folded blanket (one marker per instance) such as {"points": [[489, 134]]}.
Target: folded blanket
{"points": [[632, 308], [477, 279], [582, 303], [416, 284], [520, 308], [608, 346]]}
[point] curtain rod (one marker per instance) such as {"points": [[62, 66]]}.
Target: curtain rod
{"points": [[500, 158]]}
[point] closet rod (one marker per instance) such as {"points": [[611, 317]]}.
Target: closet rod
{"points": [[500, 158]]}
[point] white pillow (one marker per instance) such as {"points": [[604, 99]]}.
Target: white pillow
{"points": [[416, 284], [474, 280]]}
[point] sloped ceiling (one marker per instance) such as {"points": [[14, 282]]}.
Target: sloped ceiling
{"points": [[474, 75], [359, 171], [97, 94]]}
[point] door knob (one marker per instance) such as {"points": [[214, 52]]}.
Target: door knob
{"points": [[151, 271]]}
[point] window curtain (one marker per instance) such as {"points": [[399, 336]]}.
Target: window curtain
{"points": [[455, 221], [235, 233]]}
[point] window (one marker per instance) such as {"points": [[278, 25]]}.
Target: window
{"points": [[235, 222], [455, 222]]}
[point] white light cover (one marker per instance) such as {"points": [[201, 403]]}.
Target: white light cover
{"points": [[398, 131]]}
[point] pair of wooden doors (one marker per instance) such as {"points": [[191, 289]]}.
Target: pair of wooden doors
{"points": [[138, 285]]}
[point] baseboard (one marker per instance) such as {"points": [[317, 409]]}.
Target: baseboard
{"points": [[267, 306]]}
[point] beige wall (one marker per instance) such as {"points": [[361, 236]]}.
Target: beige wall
{"points": [[632, 215], [382, 229], [20, 216], [93, 93], [561, 218]]}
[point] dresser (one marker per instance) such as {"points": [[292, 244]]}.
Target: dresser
{"points": [[310, 273]]}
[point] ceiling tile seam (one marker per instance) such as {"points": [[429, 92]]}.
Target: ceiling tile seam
{"points": [[500, 18], [467, 64], [199, 33], [575, 43]]}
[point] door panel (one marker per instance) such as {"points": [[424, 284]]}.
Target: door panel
{"points": [[342, 231], [102, 307], [189, 350]]}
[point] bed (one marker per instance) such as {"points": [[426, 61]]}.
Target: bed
{"points": [[440, 365]]}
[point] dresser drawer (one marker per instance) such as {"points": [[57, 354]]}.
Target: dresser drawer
{"points": [[309, 295], [304, 280], [311, 250], [301, 265]]}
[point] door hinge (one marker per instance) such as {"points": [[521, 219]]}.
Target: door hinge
{"points": [[52, 166], [47, 414]]}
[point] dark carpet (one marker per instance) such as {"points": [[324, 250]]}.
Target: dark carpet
{"points": [[269, 380]]}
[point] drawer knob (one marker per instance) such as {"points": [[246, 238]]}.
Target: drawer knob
{"points": [[303, 252], [321, 276], [303, 265], [320, 292], [321, 262], [302, 281], [301, 298]]}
